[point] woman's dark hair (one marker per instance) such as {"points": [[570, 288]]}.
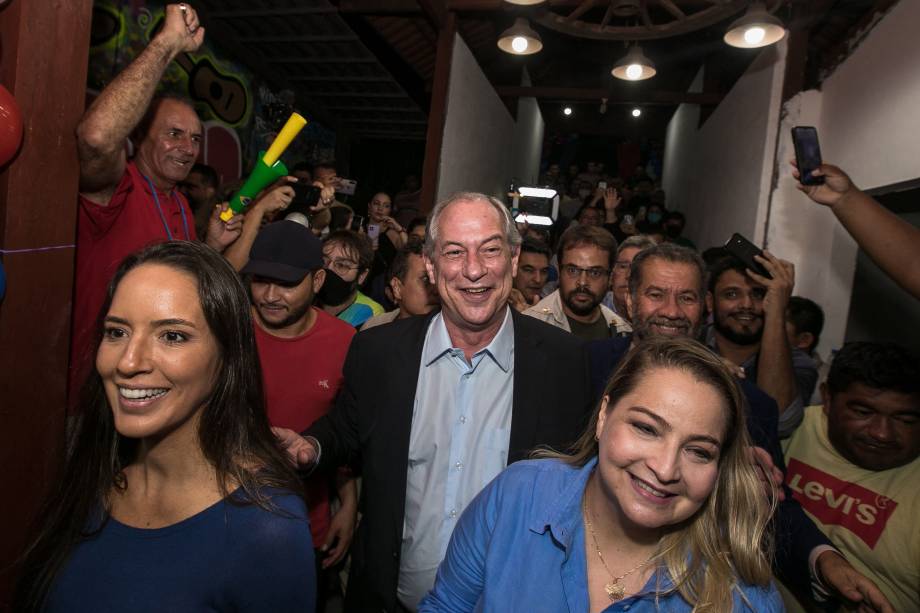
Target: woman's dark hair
{"points": [[233, 430]]}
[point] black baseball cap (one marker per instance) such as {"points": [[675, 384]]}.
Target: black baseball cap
{"points": [[284, 251]]}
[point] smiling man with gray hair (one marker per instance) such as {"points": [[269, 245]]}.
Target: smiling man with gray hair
{"points": [[436, 406]]}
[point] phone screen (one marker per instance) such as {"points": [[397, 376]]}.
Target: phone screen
{"points": [[807, 153]]}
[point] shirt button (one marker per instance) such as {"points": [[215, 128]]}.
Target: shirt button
{"points": [[463, 419], [453, 513], [459, 465]]}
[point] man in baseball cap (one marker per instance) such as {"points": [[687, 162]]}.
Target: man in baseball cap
{"points": [[302, 350]]}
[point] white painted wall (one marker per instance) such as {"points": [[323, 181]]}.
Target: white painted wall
{"points": [[726, 177], [868, 122], [719, 175], [528, 142], [679, 178], [478, 132]]}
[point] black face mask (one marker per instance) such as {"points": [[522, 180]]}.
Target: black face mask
{"points": [[335, 289]]}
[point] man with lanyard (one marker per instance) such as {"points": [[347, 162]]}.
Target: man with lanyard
{"points": [[128, 204]]}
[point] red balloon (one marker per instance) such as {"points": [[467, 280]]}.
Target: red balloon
{"points": [[10, 126]]}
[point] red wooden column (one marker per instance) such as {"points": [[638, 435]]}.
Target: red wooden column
{"points": [[44, 46], [437, 111]]}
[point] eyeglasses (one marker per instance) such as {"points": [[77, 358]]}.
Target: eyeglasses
{"points": [[595, 274], [339, 266]]}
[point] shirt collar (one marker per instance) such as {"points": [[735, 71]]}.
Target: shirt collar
{"points": [[710, 339], [501, 348], [562, 515]]}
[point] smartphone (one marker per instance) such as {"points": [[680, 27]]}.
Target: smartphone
{"points": [[807, 153], [305, 196], [346, 186], [601, 185], [745, 250], [629, 220], [373, 231], [356, 222]]}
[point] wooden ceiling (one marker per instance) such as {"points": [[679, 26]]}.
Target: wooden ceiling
{"points": [[366, 66]]}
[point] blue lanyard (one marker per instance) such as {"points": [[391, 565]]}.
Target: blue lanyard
{"points": [[156, 201]]}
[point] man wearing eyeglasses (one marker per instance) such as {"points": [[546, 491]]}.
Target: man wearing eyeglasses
{"points": [[347, 258], [586, 257]]}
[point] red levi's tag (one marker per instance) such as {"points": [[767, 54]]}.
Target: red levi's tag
{"points": [[840, 503]]}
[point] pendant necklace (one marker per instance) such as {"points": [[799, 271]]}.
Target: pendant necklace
{"points": [[615, 590]]}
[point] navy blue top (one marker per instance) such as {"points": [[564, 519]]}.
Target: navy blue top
{"points": [[796, 535], [225, 558]]}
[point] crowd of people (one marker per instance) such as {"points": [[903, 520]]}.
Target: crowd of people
{"points": [[458, 412]]}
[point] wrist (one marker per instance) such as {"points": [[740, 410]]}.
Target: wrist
{"points": [[164, 44], [846, 199], [824, 558]]}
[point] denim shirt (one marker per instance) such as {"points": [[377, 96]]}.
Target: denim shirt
{"points": [[519, 546]]}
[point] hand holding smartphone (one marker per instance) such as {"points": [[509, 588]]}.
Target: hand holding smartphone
{"points": [[807, 154], [745, 250], [305, 197]]}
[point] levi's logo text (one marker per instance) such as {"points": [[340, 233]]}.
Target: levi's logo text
{"points": [[840, 503]]}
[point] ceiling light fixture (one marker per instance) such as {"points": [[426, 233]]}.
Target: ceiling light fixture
{"points": [[520, 39], [636, 112], [567, 111], [525, 2], [757, 28], [634, 66]]}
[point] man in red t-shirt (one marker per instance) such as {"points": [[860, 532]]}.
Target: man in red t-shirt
{"points": [[126, 205], [302, 350]]}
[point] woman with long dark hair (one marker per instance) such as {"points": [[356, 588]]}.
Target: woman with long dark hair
{"points": [[657, 507], [174, 495]]}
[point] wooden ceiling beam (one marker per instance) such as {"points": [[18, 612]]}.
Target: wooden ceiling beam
{"points": [[341, 79], [275, 12], [382, 109], [435, 11], [322, 94], [299, 38], [322, 60], [357, 121], [641, 97], [380, 7]]}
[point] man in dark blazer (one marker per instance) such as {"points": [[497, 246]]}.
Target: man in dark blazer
{"points": [[471, 253], [666, 299]]}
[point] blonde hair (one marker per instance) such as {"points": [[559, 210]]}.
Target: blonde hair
{"points": [[727, 540]]}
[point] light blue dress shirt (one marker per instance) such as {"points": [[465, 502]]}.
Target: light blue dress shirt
{"points": [[520, 547], [461, 427]]}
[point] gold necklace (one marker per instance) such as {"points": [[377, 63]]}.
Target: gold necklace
{"points": [[614, 589]]}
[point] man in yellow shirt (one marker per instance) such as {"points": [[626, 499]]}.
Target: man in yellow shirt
{"points": [[854, 465]]}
